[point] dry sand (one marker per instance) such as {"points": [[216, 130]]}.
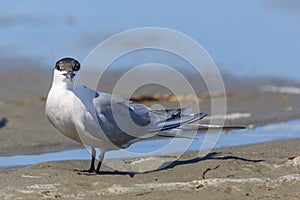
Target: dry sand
{"points": [[261, 171]]}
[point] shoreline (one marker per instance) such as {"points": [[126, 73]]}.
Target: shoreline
{"points": [[65, 153]]}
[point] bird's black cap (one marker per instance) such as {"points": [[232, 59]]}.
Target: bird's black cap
{"points": [[67, 64]]}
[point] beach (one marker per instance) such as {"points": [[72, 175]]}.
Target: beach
{"points": [[258, 171], [181, 49]]}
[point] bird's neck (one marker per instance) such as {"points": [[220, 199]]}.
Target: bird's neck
{"points": [[62, 82]]}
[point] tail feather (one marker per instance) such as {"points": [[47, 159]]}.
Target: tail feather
{"points": [[205, 127], [172, 114], [178, 121], [189, 131]]}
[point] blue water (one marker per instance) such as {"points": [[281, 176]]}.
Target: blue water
{"points": [[257, 37], [253, 38], [273, 132]]}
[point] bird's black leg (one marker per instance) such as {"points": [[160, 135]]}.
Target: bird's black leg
{"points": [[101, 157], [92, 167]]}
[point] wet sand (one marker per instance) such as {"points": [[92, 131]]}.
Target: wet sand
{"points": [[261, 171]]}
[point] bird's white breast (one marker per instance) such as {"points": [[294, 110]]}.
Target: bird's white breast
{"points": [[59, 110]]}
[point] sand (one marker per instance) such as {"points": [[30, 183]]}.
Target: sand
{"points": [[261, 171]]}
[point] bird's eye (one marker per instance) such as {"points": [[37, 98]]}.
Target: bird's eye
{"points": [[77, 66], [58, 67]]}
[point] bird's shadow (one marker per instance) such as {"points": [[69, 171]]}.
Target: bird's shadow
{"points": [[3, 122], [131, 174], [170, 165]]}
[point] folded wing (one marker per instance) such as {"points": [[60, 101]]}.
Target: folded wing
{"points": [[149, 122]]}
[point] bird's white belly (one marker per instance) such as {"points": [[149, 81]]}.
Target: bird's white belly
{"points": [[91, 133], [87, 126]]}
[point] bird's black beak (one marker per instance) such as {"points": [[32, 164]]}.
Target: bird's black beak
{"points": [[70, 74]]}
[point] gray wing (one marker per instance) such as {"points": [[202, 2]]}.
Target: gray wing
{"points": [[147, 120], [112, 111]]}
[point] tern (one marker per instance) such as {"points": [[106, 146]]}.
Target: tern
{"points": [[105, 121]]}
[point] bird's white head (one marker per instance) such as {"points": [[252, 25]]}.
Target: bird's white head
{"points": [[65, 71]]}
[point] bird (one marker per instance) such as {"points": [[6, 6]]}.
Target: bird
{"points": [[105, 121]]}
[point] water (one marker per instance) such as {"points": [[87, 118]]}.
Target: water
{"points": [[257, 37], [280, 131]]}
